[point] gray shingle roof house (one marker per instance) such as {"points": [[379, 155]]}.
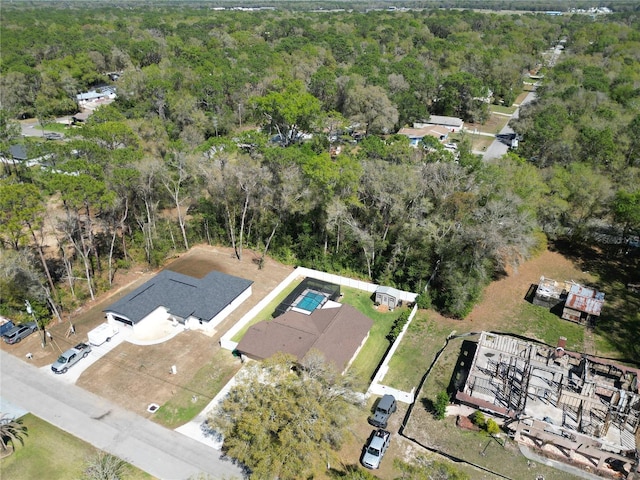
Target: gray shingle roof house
{"points": [[198, 303], [338, 333]]}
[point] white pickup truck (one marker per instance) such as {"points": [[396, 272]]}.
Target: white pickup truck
{"points": [[102, 333], [70, 358]]}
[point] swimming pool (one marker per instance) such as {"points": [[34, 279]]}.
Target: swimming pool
{"points": [[310, 301]]}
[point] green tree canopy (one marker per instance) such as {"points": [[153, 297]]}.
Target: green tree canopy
{"points": [[11, 430], [626, 210], [289, 111], [283, 419]]}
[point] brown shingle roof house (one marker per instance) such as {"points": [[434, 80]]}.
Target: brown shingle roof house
{"points": [[338, 333]]}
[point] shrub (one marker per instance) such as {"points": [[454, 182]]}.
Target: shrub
{"points": [[398, 325], [479, 419], [492, 427], [488, 425], [540, 244], [423, 300], [440, 405]]}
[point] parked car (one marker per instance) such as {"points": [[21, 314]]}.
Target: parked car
{"points": [[375, 448], [70, 358], [5, 325], [19, 332], [385, 407], [53, 136]]}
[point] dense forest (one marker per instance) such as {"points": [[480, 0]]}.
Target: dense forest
{"points": [[227, 125]]}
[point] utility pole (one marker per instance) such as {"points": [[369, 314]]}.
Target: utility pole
{"points": [[32, 313]]}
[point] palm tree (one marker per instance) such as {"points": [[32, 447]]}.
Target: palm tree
{"points": [[11, 429]]}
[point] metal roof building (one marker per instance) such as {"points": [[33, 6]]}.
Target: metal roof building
{"points": [[582, 304]]}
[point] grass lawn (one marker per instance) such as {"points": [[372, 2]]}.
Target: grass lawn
{"points": [[267, 312], [538, 322], [493, 125], [502, 109], [520, 98], [56, 127], [51, 453], [423, 339], [205, 385], [618, 326], [479, 143], [377, 344]]}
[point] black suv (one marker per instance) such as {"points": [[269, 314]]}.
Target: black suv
{"points": [[386, 406]]}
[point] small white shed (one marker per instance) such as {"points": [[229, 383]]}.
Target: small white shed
{"points": [[388, 296]]}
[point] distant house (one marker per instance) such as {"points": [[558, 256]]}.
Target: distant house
{"points": [[114, 76], [197, 303], [388, 296], [338, 333], [19, 152], [453, 123], [97, 95], [582, 304], [415, 135]]}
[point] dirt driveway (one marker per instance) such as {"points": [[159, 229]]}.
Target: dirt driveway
{"points": [[134, 376]]}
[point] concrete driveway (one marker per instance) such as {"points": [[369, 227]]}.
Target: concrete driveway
{"points": [[96, 353], [163, 453]]}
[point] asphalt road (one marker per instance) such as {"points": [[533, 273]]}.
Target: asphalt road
{"points": [[31, 128], [497, 148], [163, 453]]}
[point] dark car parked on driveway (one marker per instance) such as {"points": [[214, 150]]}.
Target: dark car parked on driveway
{"points": [[19, 332], [385, 407]]}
